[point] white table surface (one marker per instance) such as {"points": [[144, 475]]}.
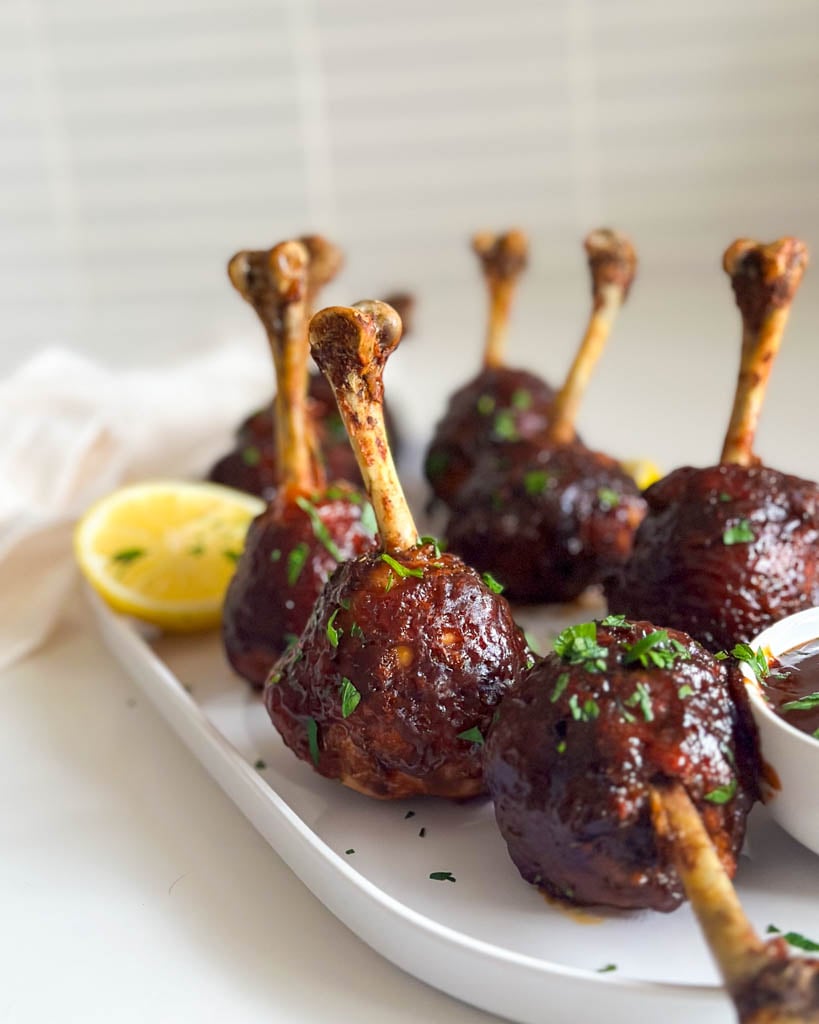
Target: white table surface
{"points": [[131, 889]]}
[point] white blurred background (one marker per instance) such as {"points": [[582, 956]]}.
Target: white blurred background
{"points": [[142, 143]]}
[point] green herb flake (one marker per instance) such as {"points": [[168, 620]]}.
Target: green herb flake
{"points": [[436, 464], [274, 679], [655, 649], [801, 942], [773, 930], [721, 655], [409, 814], [368, 521], [196, 550], [296, 561], [614, 620], [591, 709], [724, 497], [485, 405], [722, 794], [815, 734], [504, 427], [740, 533], [536, 481], [492, 583], [348, 852], [332, 633], [578, 646], [473, 735], [336, 493], [607, 969], [312, 739], [402, 570], [260, 765], [561, 747], [642, 697], [806, 703], [290, 640], [275, 555], [685, 691], [320, 531], [521, 399], [434, 542], [608, 498], [755, 660], [231, 556], [251, 456], [442, 876], [127, 555], [350, 698], [560, 685]]}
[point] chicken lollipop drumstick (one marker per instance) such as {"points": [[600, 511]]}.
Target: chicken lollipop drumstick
{"points": [[725, 551], [500, 405], [398, 672], [556, 517], [766, 984], [293, 546]]}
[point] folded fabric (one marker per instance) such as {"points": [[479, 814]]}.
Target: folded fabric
{"points": [[72, 430]]}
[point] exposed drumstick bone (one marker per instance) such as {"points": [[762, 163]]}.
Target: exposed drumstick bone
{"points": [[765, 279], [351, 346], [326, 260], [275, 283], [404, 305], [504, 259], [613, 264], [766, 985]]}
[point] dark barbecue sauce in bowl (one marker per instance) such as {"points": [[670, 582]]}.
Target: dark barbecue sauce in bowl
{"points": [[792, 687]]}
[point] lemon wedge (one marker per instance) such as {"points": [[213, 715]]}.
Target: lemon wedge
{"points": [[164, 551], [644, 471]]}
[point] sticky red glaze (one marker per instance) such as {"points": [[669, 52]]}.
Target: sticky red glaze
{"points": [[548, 524], [498, 407], [252, 466], [430, 658], [264, 613], [682, 573], [577, 823]]}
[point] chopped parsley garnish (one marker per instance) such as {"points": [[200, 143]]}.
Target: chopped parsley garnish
{"points": [[473, 735], [755, 660], [504, 427], [275, 554], [722, 794], [320, 531], [312, 739], [655, 649], [348, 852], [260, 765], [333, 633], [485, 405], [721, 655], [231, 556], [724, 497], [492, 583], [296, 561], [741, 533], [290, 640], [685, 691], [806, 703], [560, 685], [442, 876], [409, 814], [275, 678], [578, 646], [356, 630], [521, 399], [795, 939], [614, 620], [402, 570], [561, 747], [608, 498], [530, 661], [436, 544], [251, 456], [587, 713], [350, 698], [127, 555], [607, 969], [642, 697], [536, 481]]}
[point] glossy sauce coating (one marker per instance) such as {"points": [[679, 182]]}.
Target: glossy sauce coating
{"points": [[692, 569], [549, 522], [281, 573], [495, 409], [573, 753], [428, 657], [793, 677]]}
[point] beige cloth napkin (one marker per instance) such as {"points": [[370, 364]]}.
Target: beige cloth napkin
{"points": [[71, 431]]}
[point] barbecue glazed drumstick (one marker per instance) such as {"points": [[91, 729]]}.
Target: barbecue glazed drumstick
{"points": [[500, 405], [579, 742], [725, 551], [294, 545], [766, 984], [555, 517], [396, 676]]}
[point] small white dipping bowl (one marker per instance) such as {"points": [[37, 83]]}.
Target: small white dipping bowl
{"points": [[793, 755]]}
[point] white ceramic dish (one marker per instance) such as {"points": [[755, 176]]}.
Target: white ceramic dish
{"points": [[793, 755], [489, 938]]}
